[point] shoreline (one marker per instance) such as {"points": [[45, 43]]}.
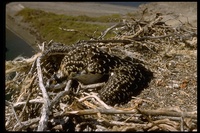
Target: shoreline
{"points": [[21, 32], [24, 30], [22, 37], [184, 10]]}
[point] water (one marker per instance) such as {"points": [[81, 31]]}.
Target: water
{"points": [[131, 4], [15, 46]]}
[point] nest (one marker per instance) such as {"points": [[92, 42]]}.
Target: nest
{"points": [[168, 104]]}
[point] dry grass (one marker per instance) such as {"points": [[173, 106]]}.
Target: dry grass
{"points": [[168, 104]]}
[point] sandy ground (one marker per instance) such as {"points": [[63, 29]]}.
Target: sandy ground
{"points": [[174, 12]]}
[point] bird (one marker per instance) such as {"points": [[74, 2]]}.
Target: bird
{"points": [[89, 64]]}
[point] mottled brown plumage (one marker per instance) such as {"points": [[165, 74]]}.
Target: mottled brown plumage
{"points": [[89, 64]]}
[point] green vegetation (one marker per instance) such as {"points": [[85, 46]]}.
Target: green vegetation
{"points": [[48, 25]]}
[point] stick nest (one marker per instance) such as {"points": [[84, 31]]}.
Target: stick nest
{"points": [[168, 104]]}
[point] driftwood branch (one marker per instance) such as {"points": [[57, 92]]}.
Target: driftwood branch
{"points": [[126, 41], [32, 101], [59, 95], [102, 111], [145, 28], [13, 110], [168, 113], [28, 123], [91, 85], [97, 98], [46, 106], [134, 111], [110, 28]]}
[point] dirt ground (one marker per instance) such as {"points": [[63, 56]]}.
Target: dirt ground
{"points": [[174, 12], [184, 99]]}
